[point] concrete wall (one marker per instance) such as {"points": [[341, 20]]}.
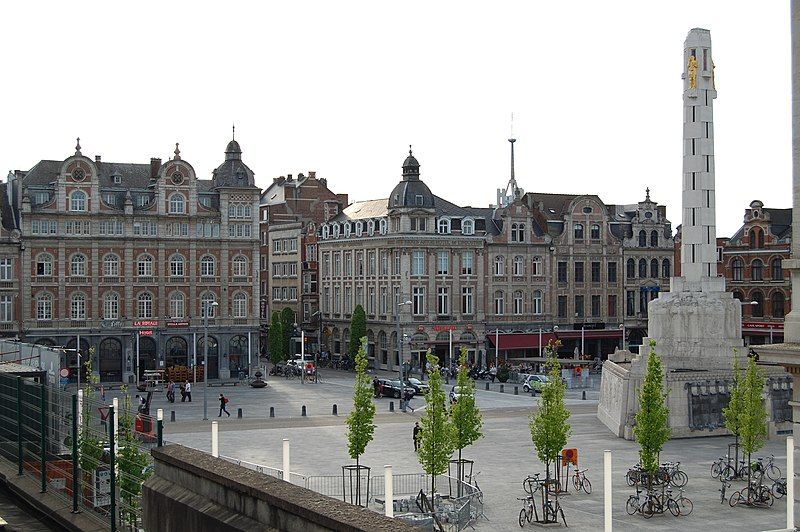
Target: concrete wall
{"points": [[192, 490]]}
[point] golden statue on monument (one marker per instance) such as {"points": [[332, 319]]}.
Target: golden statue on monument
{"points": [[692, 67]]}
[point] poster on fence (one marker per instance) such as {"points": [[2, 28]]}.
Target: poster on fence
{"points": [[101, 480]]}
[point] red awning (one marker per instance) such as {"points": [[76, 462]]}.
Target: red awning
{"points": [[521, 340], [590, 334]]}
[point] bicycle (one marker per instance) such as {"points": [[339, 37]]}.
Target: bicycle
{"points": [[634, 503], [779, 488], [718, 467], [682, 505], [772, 471], [580, 482], [528, 512], [531, 484], [722, 489], [671, 474]]}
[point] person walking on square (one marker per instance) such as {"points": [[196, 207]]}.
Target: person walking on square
{"points": [[223, 401], [183, 393], [188, 388], [417, 432]]}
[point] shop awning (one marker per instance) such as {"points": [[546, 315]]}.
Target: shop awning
{"points": [[520, 340], [590, 334]]}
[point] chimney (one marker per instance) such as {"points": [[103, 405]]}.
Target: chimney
{"points": [[288, 178], [323, 181], [97, 158], [155, 164], [312, 174]]}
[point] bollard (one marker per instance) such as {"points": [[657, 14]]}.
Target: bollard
{"points": [[391, 406], [303, 413], [160, 427], [172, 415], [790, 483], [388, 491], [516, 390], [215, 439], [583, 395], [239, 413], [487, 385], [285, 473], [335, 411], [501, 388], [272, 411], [607, 489]]}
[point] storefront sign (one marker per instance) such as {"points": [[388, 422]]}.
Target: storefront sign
{"points": [[762, 325], [145, 323], [445, 327], [177, 324], [146, 332], [110, 324]]}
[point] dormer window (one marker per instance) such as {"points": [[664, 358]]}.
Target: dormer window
{"points": [[110, 198], [116, 178], [40, 198], [382, 226], [359, 228], [443, 226], [325, 231], [419, 199], [347, 229], [468, 226], [335, 230], [371, 227]]}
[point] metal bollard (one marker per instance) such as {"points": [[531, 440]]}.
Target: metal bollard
{"points": [[391, 406], [502, 388], [172, 415], [335, 411], [516, 390], [272, 411], [303, 413], [487, 385], [583, 395], [239, 413]]}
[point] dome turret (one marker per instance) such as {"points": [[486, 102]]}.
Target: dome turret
{"points": [[411, 191]]}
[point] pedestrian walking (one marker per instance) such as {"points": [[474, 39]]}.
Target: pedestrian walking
{"points": [[188, 387], [171, 391], [417, 435], [407, 396], [223, 401], [102, 393], [183, 393]]}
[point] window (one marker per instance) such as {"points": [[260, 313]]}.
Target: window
{"points": [[579, 306], [499, 303], [562, 272], [536, 302], [562, 306], [499, 265], [348, 264], [778, 300], [44, 227], [384, 262], [630, 303], [240, 266], [536, 267], [643, 299], [519, 303], [758, 308], [360, 263], [384, 301], [578, 272], [777, 270], [642, 239], [77, 265], [756, 239], [371, 301], [44, 307], [467, 226], [642, 268], [347, 229], [311, 252], [207, 304], [207, 266], [595, 232], [611, 269], [466, 263], [578, 232], [147, 228], [177, 204], [111, 227], [44, 265], [111, 265], [443, 227], [337, 264], [382, 226], [418, 300], [144, 266], [737, 268], [595, 272], [518, 232], [396, 263], [77, 227], [77, 201], [630, 269], [653, 239], [40, 198], [443, 263], [443, 301], [595, 306], [467, 302], [177, 266], [612, 306], [240, 305], [145, 305], [666, 271], [757, 270], [418, 263], [110, 198], [177, 305], [142, 200], [5, 269], [77, 307], [111, 306], [654, 268], [240, 211], [519, 266], [6, 309]]}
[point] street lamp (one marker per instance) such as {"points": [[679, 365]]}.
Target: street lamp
{"points": [[400, 356], [206, 306], [622, 326], [319, 339]]}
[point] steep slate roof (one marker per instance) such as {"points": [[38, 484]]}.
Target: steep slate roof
{"points": [[445, 208], [780, 225], [6, 212], [43, 173], [361, 210]]}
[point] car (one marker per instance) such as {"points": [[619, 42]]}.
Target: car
{"points": [[534, 383], [419, 387], [392, 387], [456, 392], [301, 360]]}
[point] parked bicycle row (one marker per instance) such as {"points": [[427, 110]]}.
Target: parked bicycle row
{"points": [[728, 469], [541, 505], [669, 473]]}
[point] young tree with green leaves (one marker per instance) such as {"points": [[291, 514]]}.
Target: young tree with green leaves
{"points": [[436, 439], [360, 422], [358, 329], [732, 413], [287, 328], [548, 426], [464, 414], [753, 417], [652, 420], [276, 339], [89, 445], [132, 461]]}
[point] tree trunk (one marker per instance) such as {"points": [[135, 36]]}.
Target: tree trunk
{"points": [[460, 470], [358, 483]]}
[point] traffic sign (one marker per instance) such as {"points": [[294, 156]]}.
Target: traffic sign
{"points": [[64, 372]]}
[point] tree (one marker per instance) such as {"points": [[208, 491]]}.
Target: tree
{"points": [[548, 426], [464, 414], [436, 441], [132, 461], [358, 329], [753, 417], [287, 328], [276, 339], [652, 420], [360, 422], [89, 444], [732, 413]]}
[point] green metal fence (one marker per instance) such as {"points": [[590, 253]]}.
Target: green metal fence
{"points": [[64, 442]]}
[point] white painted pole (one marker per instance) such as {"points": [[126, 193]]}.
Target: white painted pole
{"points": [[160, 414], [451, 345], [607, 489], [790, 483], [388, 491], [540, 342], [80, 408], [286, 472], [115, 404], [194, 359], [138, 379], [215, 439], [496, 346]]}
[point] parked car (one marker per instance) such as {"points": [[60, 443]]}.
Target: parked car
{"points": [[419, 387], [392, 388], [534, 383], [456, 392]]}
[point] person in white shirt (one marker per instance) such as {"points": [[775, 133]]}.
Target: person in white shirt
{"points": [[188, 388]]}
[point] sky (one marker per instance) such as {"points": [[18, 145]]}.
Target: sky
{"points": [[342, 88]]}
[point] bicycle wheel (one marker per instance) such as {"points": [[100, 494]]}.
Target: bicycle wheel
{"points": [[679, 479], [672, 506], [629, 478], [685, 505], [632, 506], [716, 470], [523, 516], [778, 490], [773, 472], [649, 508], [736, 498], [576, 483], [728, 472], [587, 486], [765, 496]]}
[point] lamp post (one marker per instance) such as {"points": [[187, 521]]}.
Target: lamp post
{"points": [[622, 326], [206, 306], [319, 339], [752, 303], [400, 355]]}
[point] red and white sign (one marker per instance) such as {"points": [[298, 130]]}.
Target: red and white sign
{"points": [[146, 333], [64, 372], [445, 327], [145, 323], [762, 325]]}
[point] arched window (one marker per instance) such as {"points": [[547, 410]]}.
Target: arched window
{"points": [[518, 232], [77, 307], [177, 305], [177, 266], [778, 301], [347, 229], [595, 232], [335, 230], [519, 266], [111, 306], [208, 266], [777, 269], [519, 306], [44, 306], [111, 265], [578, 230], [757, 270], [537, 266], [737, 269], [370, 227], [359, 228], [240, 305], [177, 204], [144, 266], [654, 268], [44, 264], [77, 265], [382, 226], [666, 271], [144, 305], [738, 295], [443, 227], [630, 269], [467, 226], [653, 239], [499, 265], [207, 304], [758, 308], [77, 201], [537, 302], [499, 303], [325, 231], [240, 266], [642, 239], [642, 268]]}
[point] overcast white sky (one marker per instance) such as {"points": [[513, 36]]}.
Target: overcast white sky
{"points": [[343, 87]]}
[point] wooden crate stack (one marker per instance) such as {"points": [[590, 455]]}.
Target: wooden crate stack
{"points": [[182, 374]]}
